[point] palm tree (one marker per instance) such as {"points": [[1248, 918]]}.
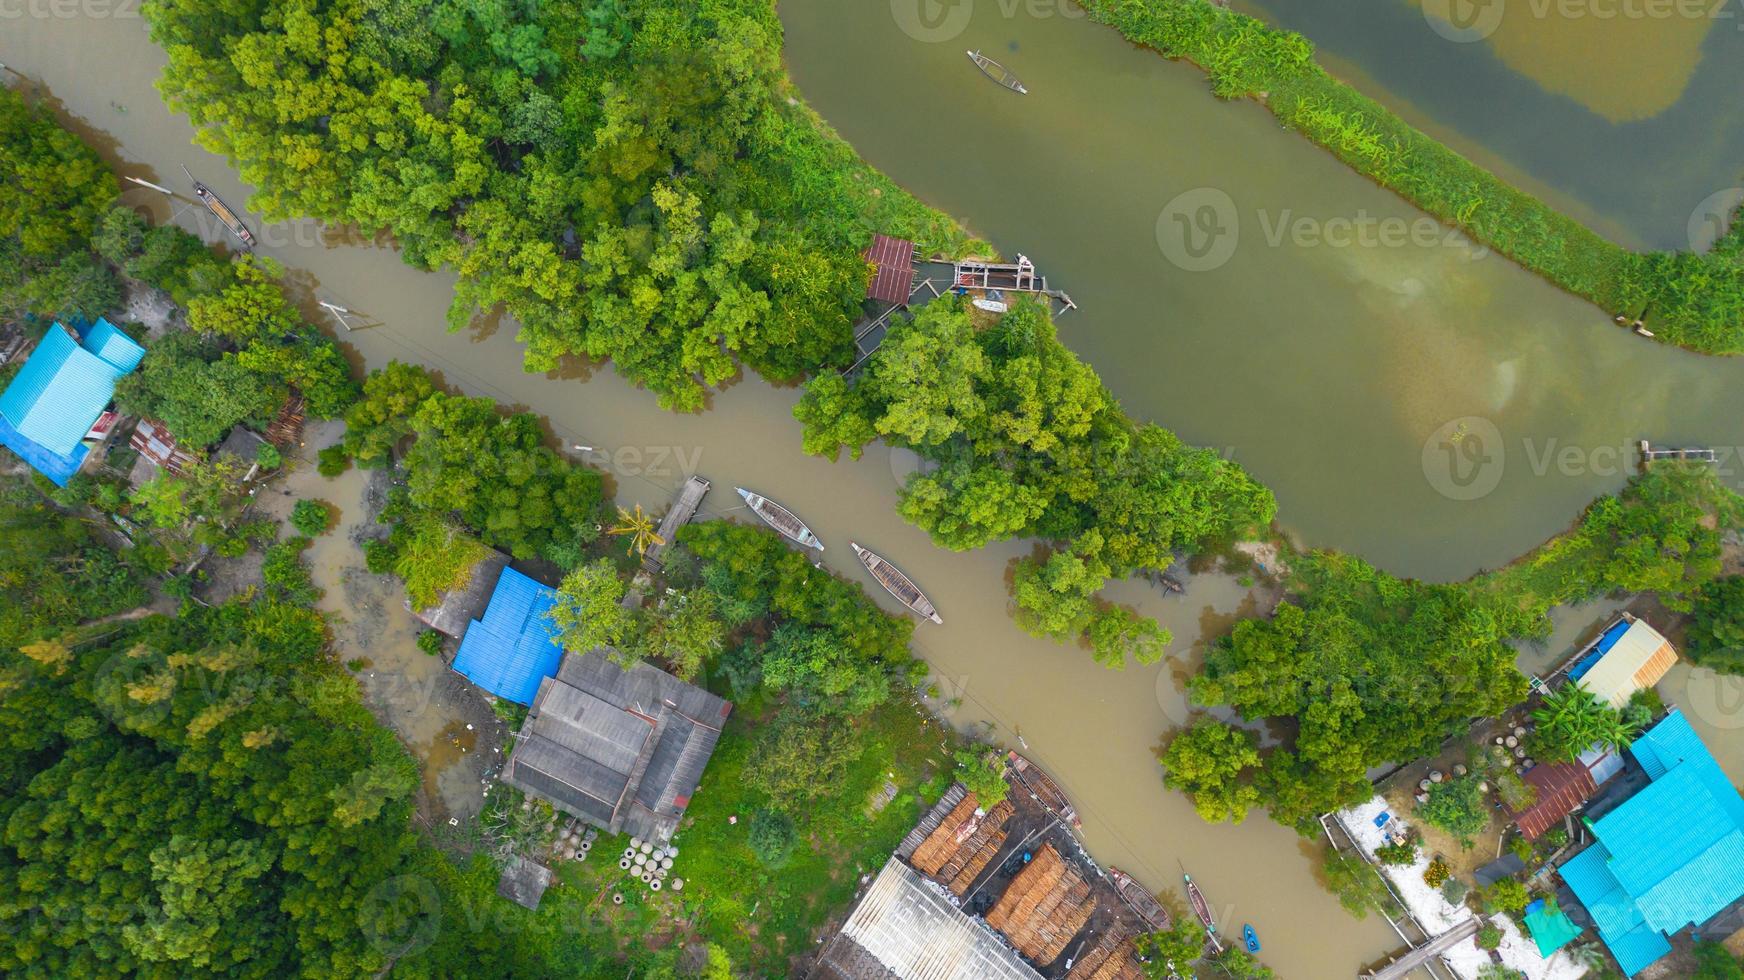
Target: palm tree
{"points": [[640, 528]]}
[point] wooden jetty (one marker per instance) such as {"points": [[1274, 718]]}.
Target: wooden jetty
{"points": [[896, 583], [1139, 898], [1018, 277], [679, 514], [998, 72], [221, 211], [1042, 788], [1421, 955], [781, 519], [1652, 455]]}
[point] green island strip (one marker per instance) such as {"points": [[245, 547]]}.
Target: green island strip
{"points": [[1692, 300]]}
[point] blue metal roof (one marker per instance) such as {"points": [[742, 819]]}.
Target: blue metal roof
{"points": [[1670, 856], [59, 469], [513, 648], [107, 341], [62, 389]]}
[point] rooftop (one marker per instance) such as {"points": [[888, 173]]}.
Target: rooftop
{"points": [[1561, 789], [893, 276], [457, 608], [63, 388], [1670, 856], [621, 749], [1630, 658], [513, 648], [524, 882]]}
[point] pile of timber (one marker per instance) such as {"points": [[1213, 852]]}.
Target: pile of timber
{"points": [[962, 845], [286, 429], [1112, 958], [1044, 907], [918, 834]]}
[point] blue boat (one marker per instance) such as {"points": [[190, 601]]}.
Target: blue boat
{"points": [[1251, 938]]}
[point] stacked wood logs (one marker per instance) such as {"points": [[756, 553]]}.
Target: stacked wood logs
{"points": [[1044, 907]]}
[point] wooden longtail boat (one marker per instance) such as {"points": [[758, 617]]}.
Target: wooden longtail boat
{"points": [[221, 211], [897, 584], [1202, 910], [998, 72], [1139, 898], [1042, 786], [781, 519]]}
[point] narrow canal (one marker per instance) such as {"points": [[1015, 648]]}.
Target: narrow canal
{"points": [[1324, 369]]}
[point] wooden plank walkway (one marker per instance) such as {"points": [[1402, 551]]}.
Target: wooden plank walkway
{"points": [[683, 509], [1422, 954], [1650, 455]]}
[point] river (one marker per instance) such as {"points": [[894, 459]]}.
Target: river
{"points": [[1323, 369]]}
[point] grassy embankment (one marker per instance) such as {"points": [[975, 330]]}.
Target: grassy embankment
{"points": [[1692, 300]]}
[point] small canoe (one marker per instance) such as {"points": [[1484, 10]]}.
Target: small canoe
{"points": [[781, 519], [990, 305], [1202, 910], [998, 72], [221, 211], [1042, 788], [1251, 938], [897, 584], [1140, 900]]}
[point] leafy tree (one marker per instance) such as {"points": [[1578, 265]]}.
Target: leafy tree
{"points": [[797, 758], [925, 376], [588, 612], [250, 308], [1355, 882], [1715, 962], [1056, 598], [770, 836], [55, 190], [196, 391], [1241, 964], [1211, 762], [311, 518], [1489, 936], [1506, 895], [1116, 633], [434, 557], [1572, 719], [382, 418], [53, 571], [1457, 805], [982, 773], [833, 415], [822, 673], [1170, 953], [684, 632], [1716, 632]]}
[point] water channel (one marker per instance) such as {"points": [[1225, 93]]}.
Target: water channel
{"points": [[1323, 368]]}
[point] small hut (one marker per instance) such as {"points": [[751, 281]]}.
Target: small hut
{"points": [[524, 882]]}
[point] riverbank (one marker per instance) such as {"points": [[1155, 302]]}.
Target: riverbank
{"points": [[1694, 301]]}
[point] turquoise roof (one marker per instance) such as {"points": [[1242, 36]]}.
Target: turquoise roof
{"points": [[63, 388], [1670, 856], [1550, 929], [514, 647]]}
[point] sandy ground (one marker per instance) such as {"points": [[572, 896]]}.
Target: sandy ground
{"points": [[1438, 915]]}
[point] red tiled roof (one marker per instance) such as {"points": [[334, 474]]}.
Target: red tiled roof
{"points": [[894, 258], [1561, 787]]}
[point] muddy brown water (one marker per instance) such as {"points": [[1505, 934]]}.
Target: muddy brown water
{"points": [[1324, 369]]}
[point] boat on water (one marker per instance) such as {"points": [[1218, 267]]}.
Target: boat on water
{"points": [[998, 72], [1202, 910], [1042, 788], [1139, 898], [896, 583], [781, 519], [1250, 938], [221, 211]]}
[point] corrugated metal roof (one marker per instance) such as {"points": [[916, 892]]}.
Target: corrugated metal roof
{"points": [[893, 276], [513, 648], [107, 341], [1670, 856], [1561, 787], [59, 468], [59, 393], [910, 926], [1638, 659]]}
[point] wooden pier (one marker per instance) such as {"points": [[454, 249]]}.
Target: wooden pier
{"points": [[1017, 277], [683, 509], [1652, 455], [1424, 953]]}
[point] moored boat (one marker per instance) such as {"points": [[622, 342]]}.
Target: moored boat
{"points": [[1202, 910], [1139, 898], [998, 72], [897, 584], [221, 211], [1250, 938], [1042, 787], [781, 519]]}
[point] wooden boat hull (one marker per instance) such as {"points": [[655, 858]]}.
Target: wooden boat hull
{"points": [[897, 584], [1202, 911], [1043, 788], [224, 214], [781, 519], [1140, 900], [998, 72]]}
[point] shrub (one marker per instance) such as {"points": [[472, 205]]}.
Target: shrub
{"points": [[311, 518], [378, 556], [284, 572], [1556, 837], [983, 773], [771, 837], [1490, 936], [435, 558], [1522, 848], [1506, 895], [1454, 891], [268, 456], [1457, 806], [1402, 853], [1437, 873], [332, 461], [430, 642]]}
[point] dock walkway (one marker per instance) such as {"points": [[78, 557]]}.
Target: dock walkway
{"points": [[1422, 954], [1652, 455], [683, 509]]}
